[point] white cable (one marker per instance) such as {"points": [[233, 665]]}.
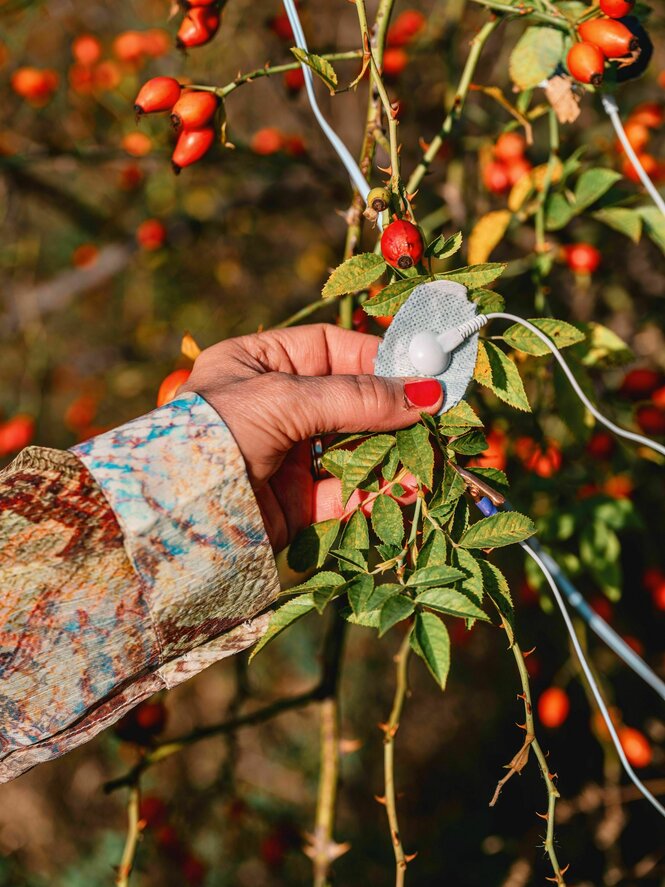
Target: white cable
{"points": [[621, 432], [355, 174], [592, 683], [612, 110], [597, 624]]}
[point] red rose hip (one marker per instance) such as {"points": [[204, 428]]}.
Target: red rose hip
{"points": [[192, 144], [402, 244], [586, 63], [194, 110], [158, 94]]}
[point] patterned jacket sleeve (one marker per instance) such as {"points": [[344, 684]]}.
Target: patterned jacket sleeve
{"points": [[128, 564]]}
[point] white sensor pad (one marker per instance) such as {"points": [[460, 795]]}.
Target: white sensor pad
{"points": [[432, 307]]}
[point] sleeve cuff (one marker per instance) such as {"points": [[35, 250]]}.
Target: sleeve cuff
{"points": [[177, 483]]}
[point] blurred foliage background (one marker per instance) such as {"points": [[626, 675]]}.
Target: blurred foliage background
{"points": [[93, 310]]}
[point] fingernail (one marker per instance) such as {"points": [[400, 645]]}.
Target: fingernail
{"points": [[423, 393]]}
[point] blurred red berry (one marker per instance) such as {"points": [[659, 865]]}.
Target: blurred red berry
{"points": [[153, 811], [495, 177], [553, 707], [129, 47], [281, 26], [273, 850], [267, 141], [510, 146], [106, 75], [295, 146], [168, 390], [156, 42], [636, 746], [582, 258], [294, 80], [649, 114], [601, 445], [603, 607], [543, 461], [138, 144], [650, 165], [620, 486], [81, 412], [360, 321], [35, 85], [640, 383], [193, 871], [495, 454], [634, 643], [86, 49], [85, 255], [16, 433], [406, 26], [198, 27], [130, 177], [395, 60], [518, 168], [651, 420], [658, 397], [151, 234]]}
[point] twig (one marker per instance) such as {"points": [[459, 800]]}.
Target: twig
{"points": [[390, 729], [132, 839], [302, 313], [557, 21], [543, 261]]}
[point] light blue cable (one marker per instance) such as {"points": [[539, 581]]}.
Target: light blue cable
{"points": [[355, 174]]}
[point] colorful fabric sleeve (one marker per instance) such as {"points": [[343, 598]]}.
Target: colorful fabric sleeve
{"points": [[128, 565]]}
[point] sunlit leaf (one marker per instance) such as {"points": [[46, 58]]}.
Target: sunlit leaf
{"points": [[363, 460], [451, 602], [496, 371], [487, 234], [416, 453], [355, 274], [503, 528], [320, 66], [391, 298], [560, 332], [387, 520], [284, 616]]}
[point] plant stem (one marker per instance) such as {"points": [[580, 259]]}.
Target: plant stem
{"points": [[132, 839], [477, 45], [390, 729], [543, 260], [302, 313], [270, 70], [557, 21]]}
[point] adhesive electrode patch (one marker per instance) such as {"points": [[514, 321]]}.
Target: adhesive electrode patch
{"points": [[434, 306]]}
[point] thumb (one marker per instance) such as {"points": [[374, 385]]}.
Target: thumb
{"points": [[364, 403]]}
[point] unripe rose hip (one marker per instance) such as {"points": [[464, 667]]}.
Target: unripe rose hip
{"points": [[198, 27], [586, 63], [379, 199], [611, 37], [194, 110], [402, 244], [158, 94], [192, 144]]}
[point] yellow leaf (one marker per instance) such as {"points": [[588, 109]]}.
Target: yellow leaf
{"points": [[534, 180], [189, 347], [487, 234]]}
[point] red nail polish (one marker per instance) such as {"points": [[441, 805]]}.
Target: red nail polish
{"points": [[423, 393]]}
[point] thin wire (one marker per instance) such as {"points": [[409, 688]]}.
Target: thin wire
{"points": [[355, 174], [592, 683], [596, 623], [612, 110], [621, 432]]}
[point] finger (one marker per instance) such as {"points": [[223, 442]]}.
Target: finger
{"points": [[352, 403], [314, 350], [327, 499]]}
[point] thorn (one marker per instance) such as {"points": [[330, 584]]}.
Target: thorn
{"points": [[409, 857], [544, 816], [563, 871], [387, 169], [521, 726], [380, 799], [424, 146], [553, 776], [528, 652], [522, 696]]}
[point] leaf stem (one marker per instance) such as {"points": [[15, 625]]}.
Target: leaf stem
{"points": [[133, 836]]}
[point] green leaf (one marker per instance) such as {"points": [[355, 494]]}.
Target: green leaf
{"points": [[474, 276], [444, 247], [434, 551], [460, 519], [469, 444], [387, 520], [395, 609], [496, 587], [438, 574], [503, 528], [496, 371], [453, 484], [487, 300], [356, 534], [458, 418], [600, 552], [472, 584], [311, 546], [320, 66], [605, 347], [369, 615], [391, 298], [355, 274], [591, 186], [558, 212], [416, 453], [360, 590], [560, 332], [429, 639], [625, 221], [324, 579], [363, 460], [284, 616], [390, 466], [536, 56], [654, 222], [335, 460], [494, 477], [350, 559], [451, 602]]}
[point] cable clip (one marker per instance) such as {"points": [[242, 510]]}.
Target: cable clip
{"points": [[486, 497]]}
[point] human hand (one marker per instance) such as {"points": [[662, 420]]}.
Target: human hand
{"points": [[275, 390]]}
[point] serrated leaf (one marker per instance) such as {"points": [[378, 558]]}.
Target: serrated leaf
{"points": [[469, 444], [561, 333], [431, 576], [311, 546], [335, 460], [355, 274], [395, 609], [474, 276], [320, 66], [284, 616], [363, 460], [654, 222], [625, 221], [361, 588], [496, 588], [356, 533], [536, 56], [434, 551], [324, 579], [458, 418], [390, 466], [444, 247], [453, 484], [451, 602], [460, 519], [496, 371], [387, 520], [487, 300], [487, 234], [591, 186], [350, 559], [391, 298], [370, 614], [472, 584], [416, 453], [503, 528], [429, 639]]}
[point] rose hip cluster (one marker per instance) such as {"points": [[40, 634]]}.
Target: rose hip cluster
{"points": [[603, 40], [508, 165], [200, 23], [641, 123], [192, 115]]}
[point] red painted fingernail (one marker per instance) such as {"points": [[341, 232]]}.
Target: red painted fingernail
{"points": [[423, 393]]}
